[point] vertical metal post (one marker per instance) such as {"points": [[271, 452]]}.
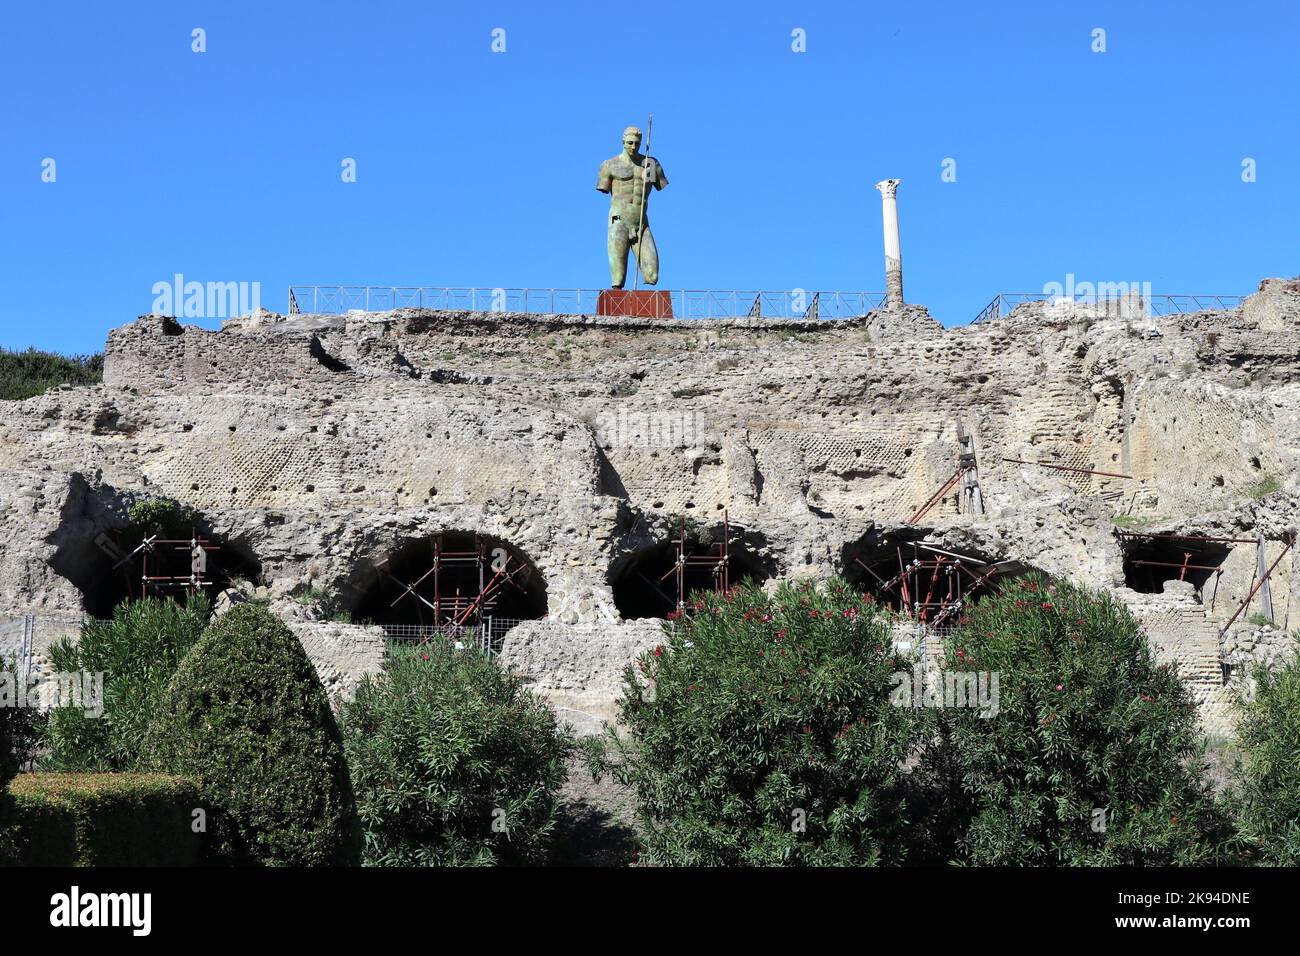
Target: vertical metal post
{"points": [[1265, 594]]}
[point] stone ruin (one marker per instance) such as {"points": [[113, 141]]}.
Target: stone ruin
{"points": [[330, 455]]}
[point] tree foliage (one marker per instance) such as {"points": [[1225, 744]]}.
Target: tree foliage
{"points": [[454, 761], [137, 652], [1268, 784], [762, 732], [1094, 757]]}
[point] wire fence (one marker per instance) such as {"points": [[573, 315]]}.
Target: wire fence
{"points": [[686, 303], [1127, 306], [488, 635]]}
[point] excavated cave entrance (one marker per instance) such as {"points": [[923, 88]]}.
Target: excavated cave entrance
{"points": [[456, 578], [924, 581], [106, 568], [644, 583], [1152, 560]]}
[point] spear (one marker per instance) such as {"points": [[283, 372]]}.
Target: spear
{"points": [[645, 189]]}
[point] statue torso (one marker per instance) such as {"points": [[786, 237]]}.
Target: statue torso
{"points": [[627, 185]]}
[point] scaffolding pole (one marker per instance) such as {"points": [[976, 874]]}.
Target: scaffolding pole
{"points": [[1249, 597]]}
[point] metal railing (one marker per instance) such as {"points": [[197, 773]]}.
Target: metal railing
{"points": [[488, 635], [1119, 306], [687, 303]]}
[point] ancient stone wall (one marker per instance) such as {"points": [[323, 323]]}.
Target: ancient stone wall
{"points": [[324, 451]]}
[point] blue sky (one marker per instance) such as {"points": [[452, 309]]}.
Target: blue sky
{"points": [[477, 169]]}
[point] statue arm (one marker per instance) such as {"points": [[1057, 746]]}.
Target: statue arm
{"points": [[604, 181], [660, 179]]}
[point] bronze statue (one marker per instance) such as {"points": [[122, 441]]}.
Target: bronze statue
{"points": [[627, 178]]}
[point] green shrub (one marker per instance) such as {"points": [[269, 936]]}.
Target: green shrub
{"points": [[137, 651], [117, 819], [454, 761], [9, 717], [1268, 777], [247, 720], [1093, 758], [770, 737], [29, 373], [159, 517], [23, 730]]}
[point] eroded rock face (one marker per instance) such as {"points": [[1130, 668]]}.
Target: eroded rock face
{"points": [[322, 449]]}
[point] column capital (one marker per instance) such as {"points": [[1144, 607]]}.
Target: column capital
{"points": [[888, 187]]}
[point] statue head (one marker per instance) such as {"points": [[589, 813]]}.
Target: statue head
{"points": [[631, 140]]}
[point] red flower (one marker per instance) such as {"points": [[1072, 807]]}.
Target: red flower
{"points": [[659, 650], [1047, 604]]}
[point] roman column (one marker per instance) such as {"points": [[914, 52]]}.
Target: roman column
{"points": [[893, 256]]}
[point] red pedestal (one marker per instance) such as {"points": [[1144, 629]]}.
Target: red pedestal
{"points": [[635, 303]]}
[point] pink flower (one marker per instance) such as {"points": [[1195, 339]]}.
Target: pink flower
{"points": [[1060, 687]]}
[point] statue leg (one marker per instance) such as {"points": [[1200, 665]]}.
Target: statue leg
{"points": [[618, 243], [647, 253]]}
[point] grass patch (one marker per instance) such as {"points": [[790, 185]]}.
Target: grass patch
{"points": [[1137, 521], [1266, 487]]}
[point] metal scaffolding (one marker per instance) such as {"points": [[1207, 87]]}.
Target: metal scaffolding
{"points": [[452, 606], [718, 564], [934, 585], [159, 584]]}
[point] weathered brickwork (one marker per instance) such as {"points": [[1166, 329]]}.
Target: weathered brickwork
{"points": [[322, 448]]}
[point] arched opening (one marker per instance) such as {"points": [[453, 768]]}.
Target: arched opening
{"points": [[924, 582], [1152, 560], [456, 582], [112, 566], [655, 581]]}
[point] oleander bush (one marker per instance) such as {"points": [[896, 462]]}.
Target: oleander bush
{"points": [[245, 717], [763, 730], [454, 761], [108, 819], [1267, 785], [137, 651], [1094, 756]]}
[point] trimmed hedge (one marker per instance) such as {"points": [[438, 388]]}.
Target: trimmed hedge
{"points": [[455, 762], [117, 819], [246, 718]]}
